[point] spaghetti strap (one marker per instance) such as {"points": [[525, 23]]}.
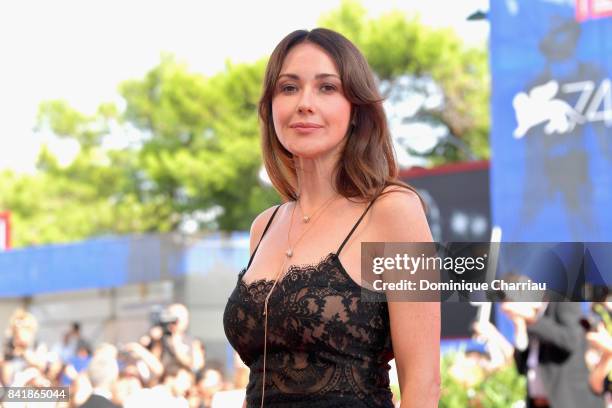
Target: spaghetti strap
{"points": [[262, 235], [355, 227]]}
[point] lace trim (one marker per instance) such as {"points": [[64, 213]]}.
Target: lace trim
{"points": [[261, 287], [302, 268]]}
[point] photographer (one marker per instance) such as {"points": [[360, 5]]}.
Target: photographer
{"points": [[549, 350], [169, 342]]}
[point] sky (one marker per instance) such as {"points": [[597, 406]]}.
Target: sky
{"points": [[81, 50]]}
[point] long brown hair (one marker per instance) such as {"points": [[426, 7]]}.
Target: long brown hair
{"points": [[367, 164]]}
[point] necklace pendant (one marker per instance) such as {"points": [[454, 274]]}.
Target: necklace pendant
{"points": [[306, 218], [289, 253]]}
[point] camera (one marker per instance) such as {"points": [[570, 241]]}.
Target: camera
{"points": [[161, 317]]}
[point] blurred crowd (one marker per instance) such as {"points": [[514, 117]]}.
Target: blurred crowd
{"points": [[165, 367], [557, 344]]}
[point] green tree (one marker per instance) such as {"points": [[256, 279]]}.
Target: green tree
{"points": [[196, 153], [412, 60], [203, 146]]}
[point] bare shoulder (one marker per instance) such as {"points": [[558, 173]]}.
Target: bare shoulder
{"points": [[258, 225], [398, 216], [398, 198], [397, 202]]}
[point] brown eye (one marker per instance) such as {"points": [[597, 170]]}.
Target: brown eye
{"points": [[288, 88], [328, 87]]}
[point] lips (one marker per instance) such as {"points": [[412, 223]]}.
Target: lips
{"points": [[305, 125], [305, 128]]}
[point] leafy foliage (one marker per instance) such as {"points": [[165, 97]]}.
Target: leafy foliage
{"points": [[191, 143], [500, 389], [400, 48]]}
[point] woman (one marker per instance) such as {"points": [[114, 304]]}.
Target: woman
{"points": [[301, 325]]}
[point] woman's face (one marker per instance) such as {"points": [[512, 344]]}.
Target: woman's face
{"points": [[310, 112]]}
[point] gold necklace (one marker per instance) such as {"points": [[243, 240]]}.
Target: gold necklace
{"points": [[289, 251], [288, 254], [307, 218]]}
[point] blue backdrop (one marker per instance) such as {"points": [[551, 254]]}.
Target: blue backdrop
{"points": [[551, 167]]}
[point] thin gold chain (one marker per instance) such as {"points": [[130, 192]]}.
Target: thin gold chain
{"points": [[313, 217], [307, 218], [278, 277]]}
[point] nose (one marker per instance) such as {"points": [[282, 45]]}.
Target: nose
{"points": [[305, 109], [305, 104]]}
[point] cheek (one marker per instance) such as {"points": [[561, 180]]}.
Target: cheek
{"points": [[340, 116], [280, 114]]}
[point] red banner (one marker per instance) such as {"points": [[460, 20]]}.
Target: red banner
{"points": [[5, 231]]}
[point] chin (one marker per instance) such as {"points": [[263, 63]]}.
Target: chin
{"points": [[312, 153], [308, 154], [310, 150]]}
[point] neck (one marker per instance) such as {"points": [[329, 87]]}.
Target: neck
{"points": [[315, 183]]}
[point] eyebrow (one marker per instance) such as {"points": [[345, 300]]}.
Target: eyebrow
{"points": [[318, 76]]}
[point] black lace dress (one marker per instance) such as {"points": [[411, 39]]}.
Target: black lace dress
{"points": [[327, 347]]}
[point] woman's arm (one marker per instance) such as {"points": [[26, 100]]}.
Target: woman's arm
{"points": [[415, 326], [415, 332]]}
